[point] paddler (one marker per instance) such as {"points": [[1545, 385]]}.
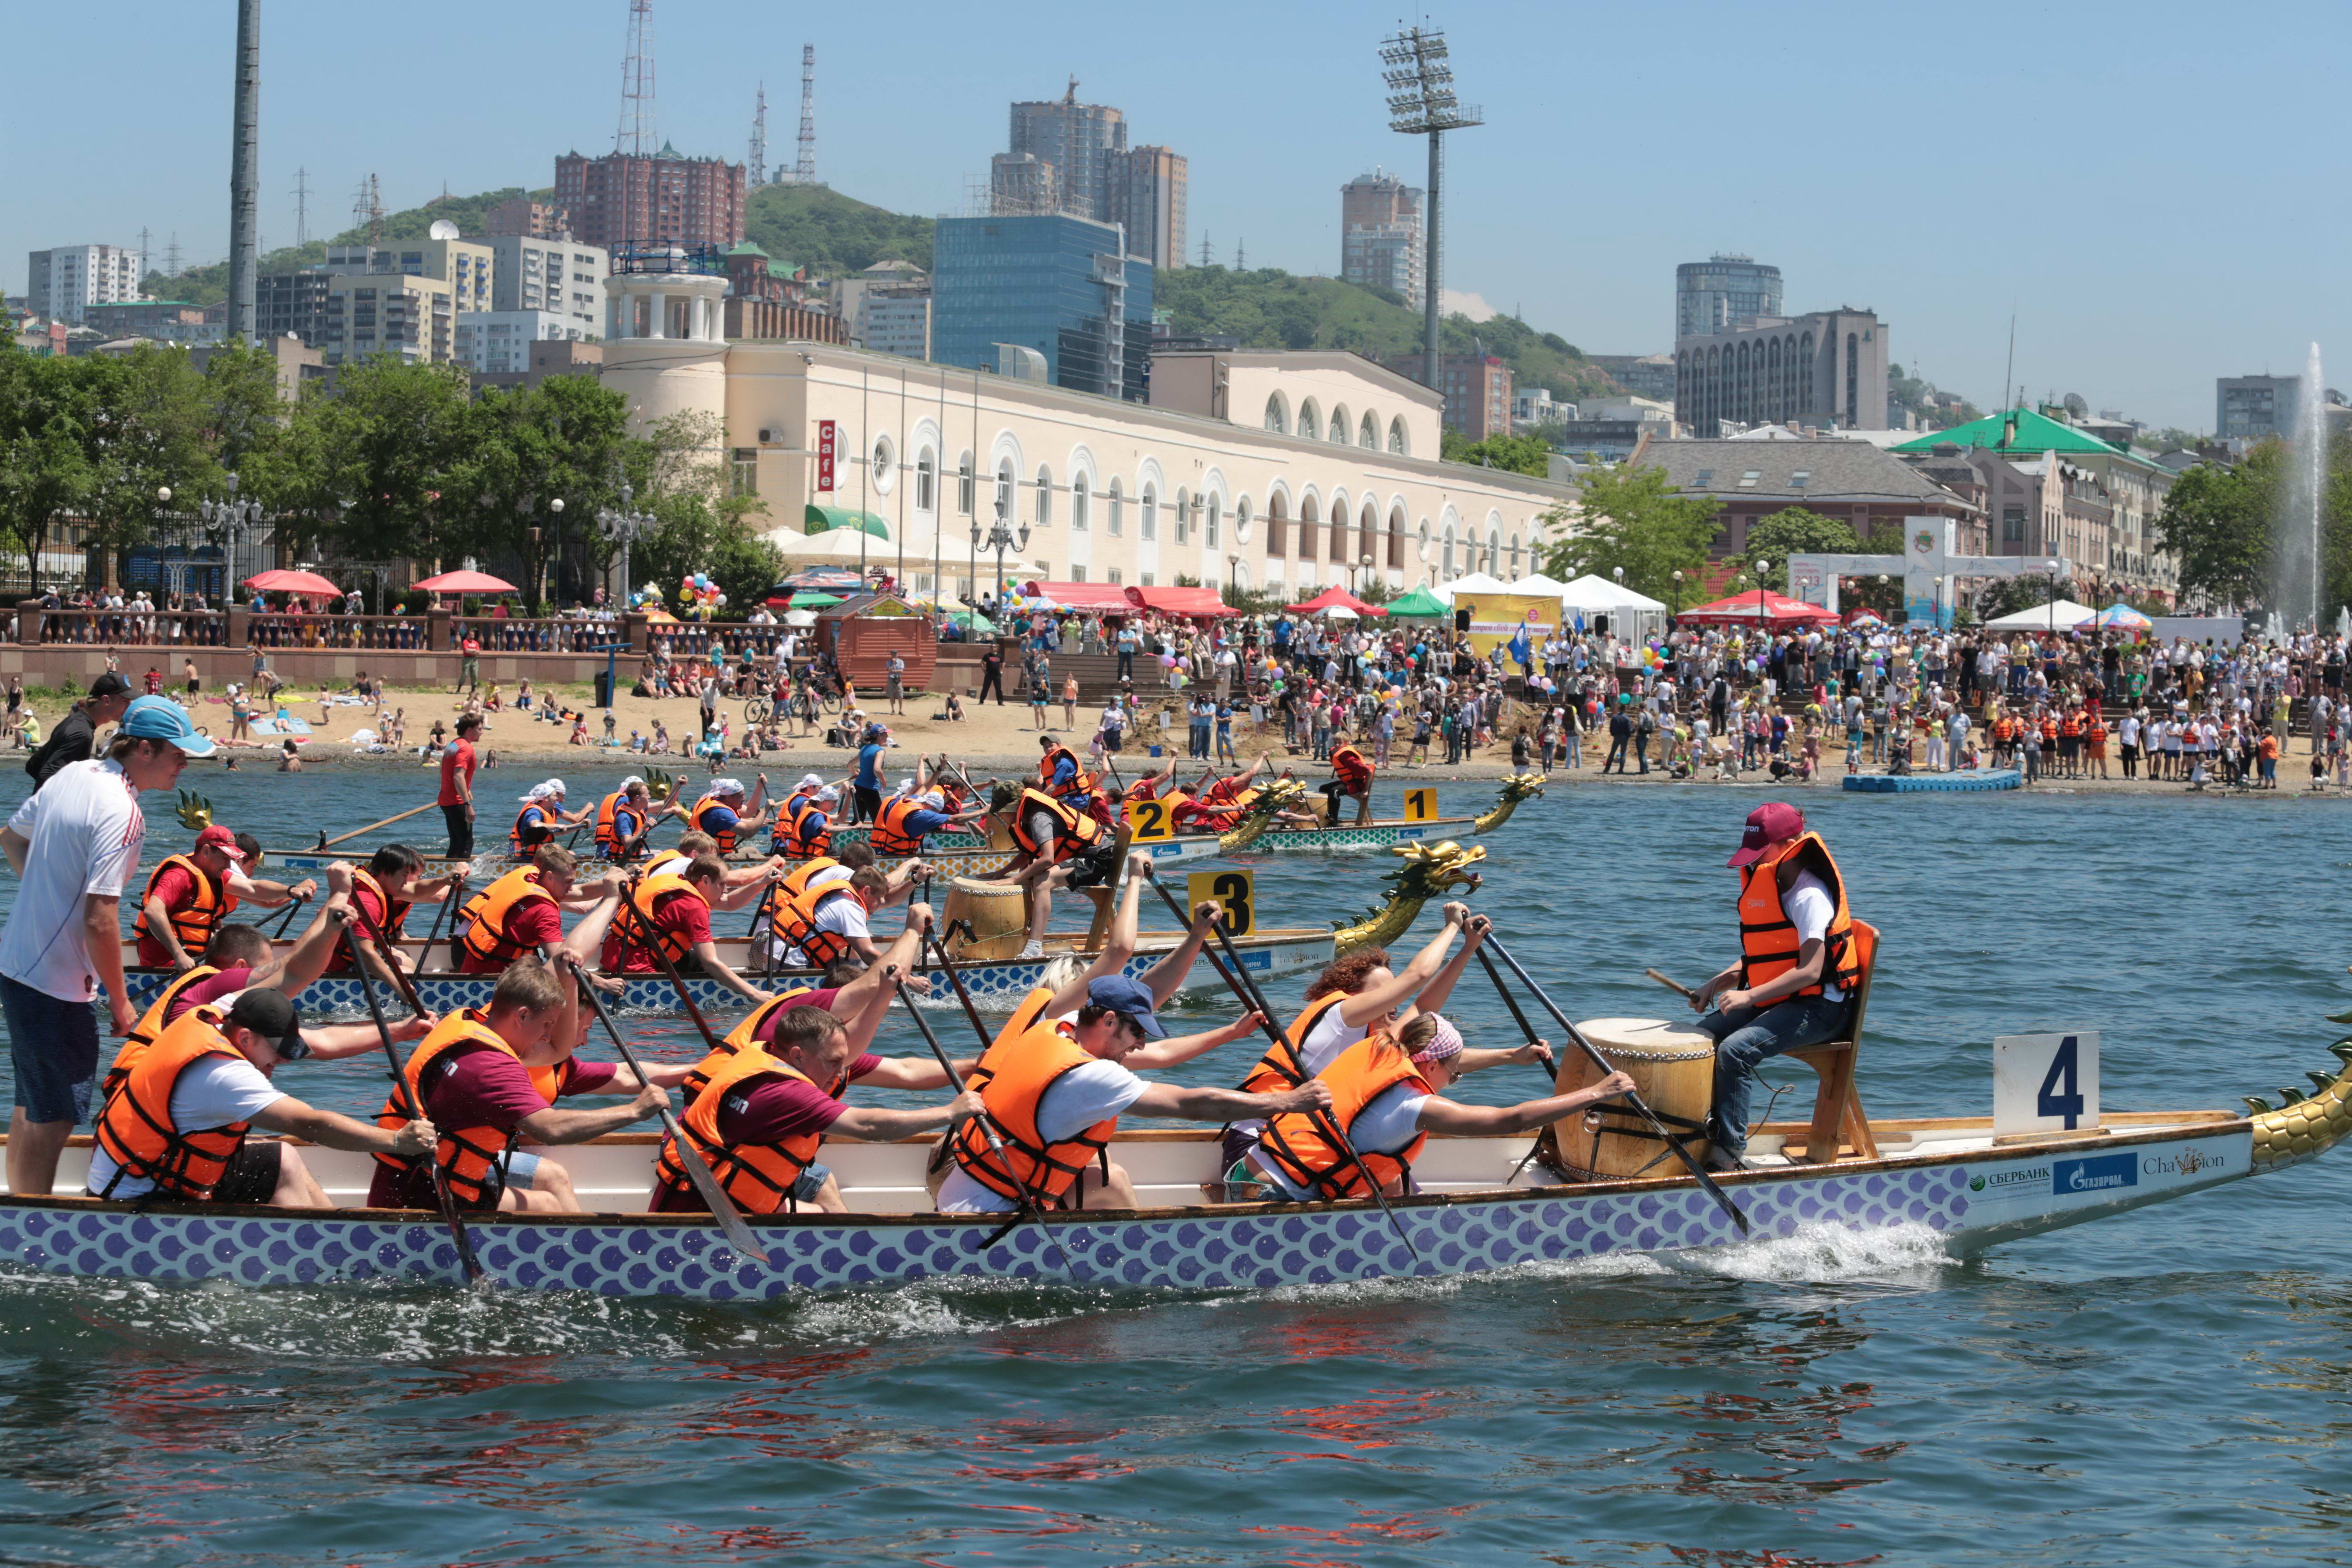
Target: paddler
{"points": [[1798, 964], [1060, 774], [522, 911], [1351, 779], [722, 814], [487, 1078], [675, 908], [176, 1125], [541, 818], [624, 818], [744, 882], [1388, 1094], [1059, 847], [803, 827], [381, 896], [909, 817], [188, 895], [1218, 808]]}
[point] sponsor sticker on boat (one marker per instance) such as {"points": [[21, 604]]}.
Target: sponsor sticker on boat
{"points": [[2094, 1173]]}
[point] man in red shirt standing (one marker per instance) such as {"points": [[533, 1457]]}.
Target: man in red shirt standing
{"points": [[469, 668], [458, 765]]}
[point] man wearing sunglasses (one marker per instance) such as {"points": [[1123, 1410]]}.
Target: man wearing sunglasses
{"points": [[176, 1127]]}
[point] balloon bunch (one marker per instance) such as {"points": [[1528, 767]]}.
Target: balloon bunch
{"points": [[699, 597]]}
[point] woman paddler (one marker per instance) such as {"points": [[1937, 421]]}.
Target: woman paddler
{"points": [[1388, 1094]]}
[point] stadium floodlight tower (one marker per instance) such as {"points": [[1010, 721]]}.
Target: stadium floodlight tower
{"points": [[1422, 103]]}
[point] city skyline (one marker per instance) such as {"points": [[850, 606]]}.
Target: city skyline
{"points": [[2121, 114]]}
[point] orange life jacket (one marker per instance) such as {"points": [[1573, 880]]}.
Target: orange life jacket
{"points": [[1283, 1066], [1300, 1143], [1051, 761], [523, 838], [489, 914], [609, 841], [1767, 937], [1013, 1077], [638, 919], [1353, 768], [136, 1126], [795, 922], [805, 839], [1073, 831], [893, 833], [725, 836], [759, 1177], [149, 1027], [743, 1037], [797, 880], [467, 1154], [2049, 729], [192, 925], [2071, 727], [396, 915]]}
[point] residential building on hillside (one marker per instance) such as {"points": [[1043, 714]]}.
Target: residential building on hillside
{"points": [[559, 275], [64, 281], [292, 305], [667, 198], [164, 320], [1060, 286], [499, 340], [1644, 375], [1151, 204], [1193, 486], [894, 321], [1852, 482], [1825, 368], [468, 265], [522, 218], [547, 357], [1533, 407], [1380, 235], [405, 314], [1084, 142], [766, 298], [1477, 389], [1723, 292], [2255, 407], [893, 276]]}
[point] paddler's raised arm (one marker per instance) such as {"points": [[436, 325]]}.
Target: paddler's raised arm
{"points": [[1376, 1002]]}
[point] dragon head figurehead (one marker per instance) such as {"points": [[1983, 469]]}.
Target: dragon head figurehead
{"points": [[196, 813], [1271, 799], [1430, 870], [1516, 787], [660, 785], [2305, 1125]]}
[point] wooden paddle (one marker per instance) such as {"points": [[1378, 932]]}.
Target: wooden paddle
{"points": [[689, 1155], [1527, 1032], [472, 1265], [955, 978], [1029, 1209], [293, 907], [372, 826], [1633, 1099], [1245, 987], [652, 941]]}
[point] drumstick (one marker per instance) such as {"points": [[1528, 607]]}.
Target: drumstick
{"points": [[1670, 982]]}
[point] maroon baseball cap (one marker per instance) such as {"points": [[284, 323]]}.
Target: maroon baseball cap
{"points": [[220, 839], [1767, 825]]}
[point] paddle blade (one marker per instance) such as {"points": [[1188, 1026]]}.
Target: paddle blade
{"points": [[721, 1206]]}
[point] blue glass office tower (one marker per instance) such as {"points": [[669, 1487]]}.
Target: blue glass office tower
{"points": [[1063, 285]]}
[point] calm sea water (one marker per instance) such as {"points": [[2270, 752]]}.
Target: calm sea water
{"points": [[2167, 1387]]}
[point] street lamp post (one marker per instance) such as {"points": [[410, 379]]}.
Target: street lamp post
{"points": [[1002, 536], [228, 520], [624, 527], [1678, 592]]}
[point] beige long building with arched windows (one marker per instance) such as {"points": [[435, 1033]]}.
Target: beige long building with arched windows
{"points": [[1258, 469]]}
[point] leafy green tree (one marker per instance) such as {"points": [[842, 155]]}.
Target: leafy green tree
{"points": [[1513, 454], [1794, 531], [375, 467], [48, 430], [2217, 522], [563, 439], [1632, 518], [680, 478], [153, 430]]}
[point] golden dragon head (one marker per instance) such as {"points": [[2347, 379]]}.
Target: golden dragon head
{"points": [[2305, 1125], [1430, 870], [660, 785], [1516, 787], [1275, 796], [196, 813]]}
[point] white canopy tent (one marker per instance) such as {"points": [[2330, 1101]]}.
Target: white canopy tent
{"points": [[1475, 583], [1630, 614], [2062, 614]]}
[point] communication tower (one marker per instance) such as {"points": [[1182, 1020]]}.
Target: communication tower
{"points": [[805, 170]]}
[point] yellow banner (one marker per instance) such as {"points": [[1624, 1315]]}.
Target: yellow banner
{"points": [[1496, 618]]}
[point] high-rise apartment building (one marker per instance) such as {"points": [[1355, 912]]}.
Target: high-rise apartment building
{"points": [[1381, 235], [2255, 407], [1151, 204], [561, 277], [498, 343], [1723, 292], [623, 198], [403, 314], [1826, 368], [1073, 158], [291, 305], [61, 281], [1060, 286], [468, 265], [1084, 142]]}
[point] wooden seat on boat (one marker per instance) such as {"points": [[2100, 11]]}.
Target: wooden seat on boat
{"points": [[1838, 1120]]}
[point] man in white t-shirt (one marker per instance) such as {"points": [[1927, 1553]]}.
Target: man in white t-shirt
{"points": [[264, 1030], [1796, 946], [75, 846]]}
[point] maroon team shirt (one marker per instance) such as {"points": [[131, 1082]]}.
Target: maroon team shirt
{"points": [[482, 1088]]}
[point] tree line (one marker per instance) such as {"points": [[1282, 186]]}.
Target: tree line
{"points": [[383, 462]]}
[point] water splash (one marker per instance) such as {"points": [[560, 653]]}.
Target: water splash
{"points": [[2299, 588]]}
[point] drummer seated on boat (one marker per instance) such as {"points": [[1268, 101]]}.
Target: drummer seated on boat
{"points": [[1058, 847], [175, 1126], [1054, 1091], [1794, 982], [383, 893], [675, 908], [189, 895], [761, 1113], [488, 1079], [1388, 1094], [1061, 775]]}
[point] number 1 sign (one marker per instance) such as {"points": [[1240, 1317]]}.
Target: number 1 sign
{"points": [[2045, 1083]]}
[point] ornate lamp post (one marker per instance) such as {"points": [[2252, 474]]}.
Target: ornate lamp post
{"points": [[1002, 536], [624, 527], [229, 520]]}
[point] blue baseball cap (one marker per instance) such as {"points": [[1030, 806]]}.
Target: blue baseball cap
{"points": [[160, 719], [1130, 998]]}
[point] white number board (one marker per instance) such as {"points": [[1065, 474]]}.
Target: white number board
{"points": [[2044, 1083]]}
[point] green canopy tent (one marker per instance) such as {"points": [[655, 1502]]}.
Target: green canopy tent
{"points": [[972, 621], [815, 519], [1421, 604], [810, 601]]}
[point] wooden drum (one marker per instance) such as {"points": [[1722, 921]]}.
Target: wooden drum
{"points": [[999, 913], [1673, 1066]]}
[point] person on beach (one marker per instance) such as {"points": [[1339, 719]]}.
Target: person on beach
{"points": [[1800, 961]]}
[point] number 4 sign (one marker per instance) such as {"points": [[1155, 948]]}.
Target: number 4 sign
{"points": [[2045, 1083]]}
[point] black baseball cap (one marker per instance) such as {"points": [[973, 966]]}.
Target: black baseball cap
{"points": [[272, 1015], [109, 685]]}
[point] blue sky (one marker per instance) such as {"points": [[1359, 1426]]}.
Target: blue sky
{"points": [[2153, 188]]}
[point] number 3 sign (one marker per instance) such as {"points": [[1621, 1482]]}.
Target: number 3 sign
{"points": [[2045, 1083]]}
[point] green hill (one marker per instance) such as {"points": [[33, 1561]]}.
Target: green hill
{"points": [[208, 285], [830, 234]]}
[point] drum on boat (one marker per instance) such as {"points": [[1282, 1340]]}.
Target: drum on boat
{"points": [[1672, 1066], [999, 913]]}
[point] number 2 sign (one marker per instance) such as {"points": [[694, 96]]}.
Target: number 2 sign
{"points": [[2045, 1083]]}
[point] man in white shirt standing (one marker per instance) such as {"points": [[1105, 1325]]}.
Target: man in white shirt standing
{"points": [[75, 845]]}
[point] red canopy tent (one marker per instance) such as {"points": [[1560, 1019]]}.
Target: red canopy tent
{"points": [[1762, 608], [466, 583], [1334, 598], [283, 582], [1189, 603], [1104, 597]]}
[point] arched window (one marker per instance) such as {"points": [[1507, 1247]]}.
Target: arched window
{"points": [[1335, 534], [1307, 423], [1396, 540], [1515, 558], [1004, 489], [1045, 495], [1214, 515], [1494, 551], [1151, 513], [1277, 525], [964, 484], [1181, 513], [1445, 562], [1421, 540], [1396, 436], [1078, 499], [1339, 425], [1368, 534], [1368, 437], [1274, 416], [1117, 505], [885, 464], [926, 481], [1307, 517]]}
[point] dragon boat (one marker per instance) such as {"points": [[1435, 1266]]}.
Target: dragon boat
{"points": [[1266, 835], [1475, 1211]]}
